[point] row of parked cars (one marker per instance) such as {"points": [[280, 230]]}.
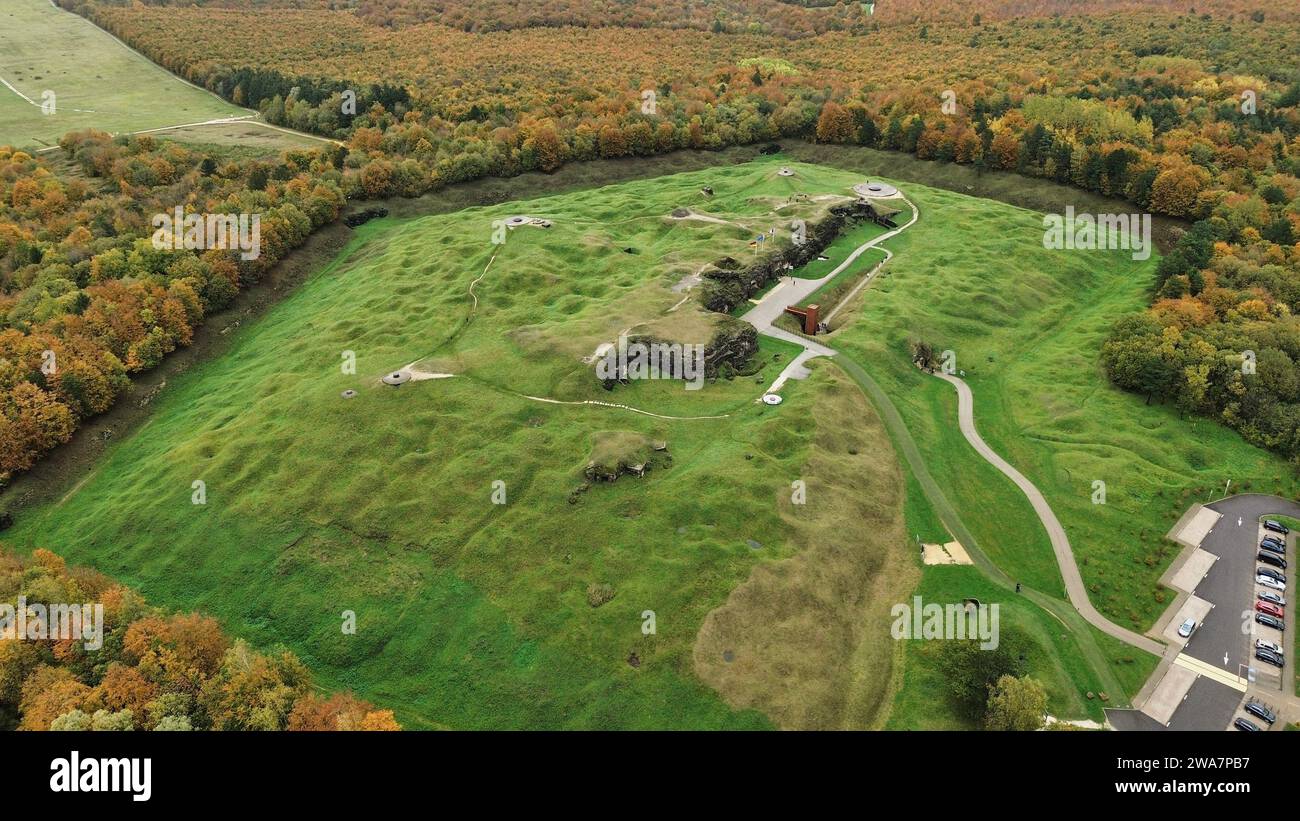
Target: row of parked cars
{"points": [[1258, 710], [1270, 604], [1270, 611]]}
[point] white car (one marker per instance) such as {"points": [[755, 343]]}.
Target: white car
{"points": [[1270, 582], [1185, 629], [1260, 644]]}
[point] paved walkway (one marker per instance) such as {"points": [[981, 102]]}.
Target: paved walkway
{"points": [[1074, 586], [793, 290]]}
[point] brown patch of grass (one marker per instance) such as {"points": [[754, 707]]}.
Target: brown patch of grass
{"points": [[612, 448], [808, 637]]}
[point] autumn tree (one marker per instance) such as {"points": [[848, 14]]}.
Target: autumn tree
{"points": [[338, 712], [835, 125], [550, 149], [1016, 703]]}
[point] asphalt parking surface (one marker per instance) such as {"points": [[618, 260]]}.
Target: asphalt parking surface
{"points": [[1230, 586], [1209, 705], [1225, 637]]}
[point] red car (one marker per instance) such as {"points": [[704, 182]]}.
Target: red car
{"points": [[1269, 608]]}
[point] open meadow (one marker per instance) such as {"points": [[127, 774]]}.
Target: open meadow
{"points": [[95, 81], [382, 503], [528, 613], [1026, 325]]}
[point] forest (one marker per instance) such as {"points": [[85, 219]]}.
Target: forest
{"points": [[1177, 110], [88, 300]]}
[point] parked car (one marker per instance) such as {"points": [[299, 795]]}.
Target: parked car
{"points": [[1185, 629], [1270, 582], [1269, 608], [1276, 526], [1269, 658], [1271, 558], [1271, 573], [1268, 595], [1268, 645], [1260, 711], [1270, 621], [1247, 726], [1272, 547]]}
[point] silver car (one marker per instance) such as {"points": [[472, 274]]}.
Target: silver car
{"points": [[1260, 644], [1185, 629]]}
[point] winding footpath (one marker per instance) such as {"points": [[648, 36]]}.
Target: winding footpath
{"points": [[793, 291], [1074, 586]]}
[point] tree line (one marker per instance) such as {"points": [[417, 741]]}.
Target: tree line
{"points": [[87, 299], [1158, 115]]}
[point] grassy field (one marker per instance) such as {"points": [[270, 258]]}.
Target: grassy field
{"points": [[1026, 325], [96, 81], [1052, 657], [246, 139], [475, 614], [1071, 658], [381, 503]]}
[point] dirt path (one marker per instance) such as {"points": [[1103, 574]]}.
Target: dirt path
{"points": [[598, 403], [1074, 586]]}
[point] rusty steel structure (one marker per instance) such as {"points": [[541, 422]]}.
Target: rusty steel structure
{"points": [[809, 315]]}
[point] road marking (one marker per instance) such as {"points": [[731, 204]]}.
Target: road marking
{"points": [[1210, 671]]}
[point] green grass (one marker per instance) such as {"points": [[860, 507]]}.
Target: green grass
{"points": [[839, 250], [1027, 325], [1131, 666], [470, 614], [1052, 656], [830, 294], [475, 615], [1059, 656], [247, 139], [97, 82], [923, 526]]}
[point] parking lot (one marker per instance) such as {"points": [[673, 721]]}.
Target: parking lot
{"points": [[1214, 673], [1226, 637]]}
